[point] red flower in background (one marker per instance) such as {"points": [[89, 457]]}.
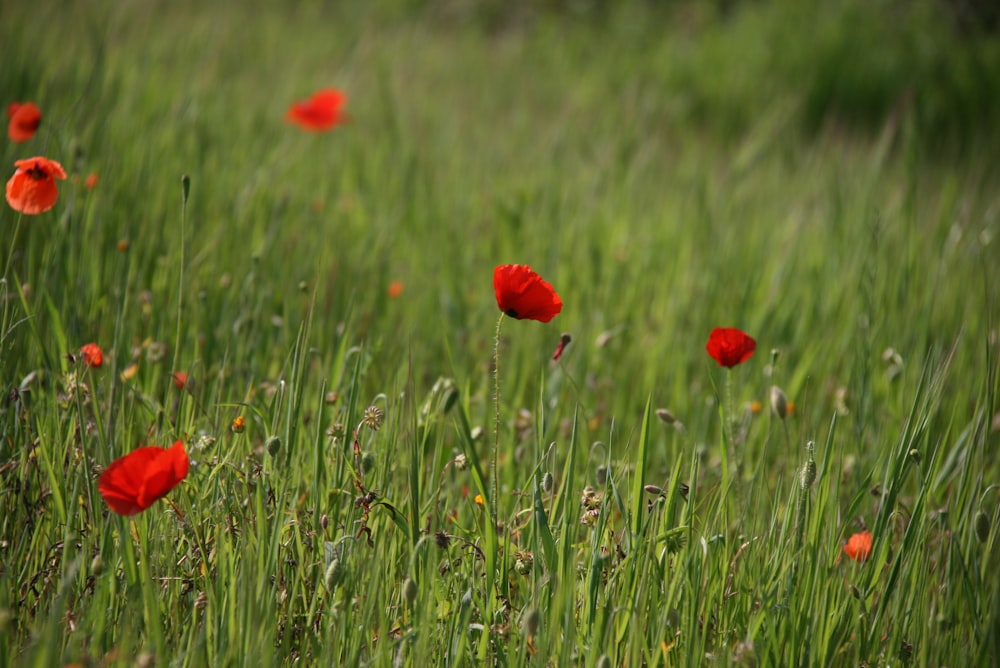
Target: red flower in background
{"points": [[92, 355], [522, 294], [142, 477], [32, 189], [730, 346], [180, 379], [24, 120], [859, 546], [323, 111]]}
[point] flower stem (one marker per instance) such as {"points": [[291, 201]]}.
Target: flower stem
{"points": [[495, 493], [728, 415]]}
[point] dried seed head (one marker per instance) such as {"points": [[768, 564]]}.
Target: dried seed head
{"points": [[204, 442], [779, 402], [373, 418], [442, 539], [461, 462], [523, 561], [982, 526]]}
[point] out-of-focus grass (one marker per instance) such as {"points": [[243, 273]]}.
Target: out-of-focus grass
{"points": [[667, 170]]}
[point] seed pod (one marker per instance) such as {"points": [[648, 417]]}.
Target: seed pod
{"points": [[548, 482], [665, 416], [779, 402]]}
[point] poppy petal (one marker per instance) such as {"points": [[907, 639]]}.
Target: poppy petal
{"points": [[730, 346], [135, 481], [521, 293]]}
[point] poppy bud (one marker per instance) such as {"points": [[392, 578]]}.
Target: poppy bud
{"points": [[602, 475], [982, 526], [273, 444], [410, 591], [368, 462], [779, 402], [548, 482], [324, 521], [532, 620], [653, 489], [185, 187], [97, 565], [604, 661], [665, 416], [333, 574]]}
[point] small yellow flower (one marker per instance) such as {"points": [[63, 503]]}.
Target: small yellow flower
{"points": [[479, 500]]}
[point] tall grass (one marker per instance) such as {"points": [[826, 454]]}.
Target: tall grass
{"points": [[614, 150]]}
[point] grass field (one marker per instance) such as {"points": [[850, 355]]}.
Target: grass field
{"points": [[832, 191]]}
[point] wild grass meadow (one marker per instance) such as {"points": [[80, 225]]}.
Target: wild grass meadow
{"points": [[381, 468]]}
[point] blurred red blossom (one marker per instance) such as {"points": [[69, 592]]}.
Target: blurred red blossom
{"points": [[319, 113], [23, 121]]}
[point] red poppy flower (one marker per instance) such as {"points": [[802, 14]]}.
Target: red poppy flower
{"points": [[729, 346], [92, 355], [33, 189], [323, 111], [91, 181], [180, 379], [522, 294], [24, 120], [139, 479], [859, 546]]}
